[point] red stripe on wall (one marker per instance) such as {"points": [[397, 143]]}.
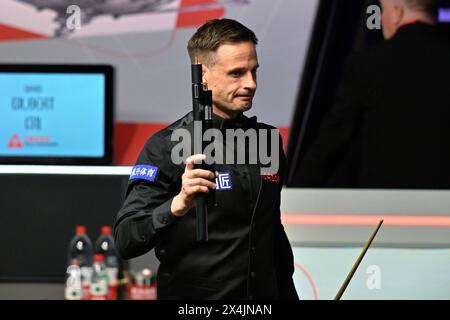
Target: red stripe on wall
{"points": [[354, 220], [188, 19], [129, 138], [12, 33], [284, 133]]}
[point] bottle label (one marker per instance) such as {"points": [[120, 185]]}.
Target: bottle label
{"points": [[86, 275], [99, 290], [73, 289], [142, 292], [113, 274], [73, 293], [112, 293]]}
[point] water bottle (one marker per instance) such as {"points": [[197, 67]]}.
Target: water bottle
{"points": [[105, 246], [82, 250], [99, 280], [73, 288], [143, 286], [148, 285]]}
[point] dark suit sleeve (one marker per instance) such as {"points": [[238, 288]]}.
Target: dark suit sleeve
{"points": [[145, 215], [284, 258], [337, 129]]}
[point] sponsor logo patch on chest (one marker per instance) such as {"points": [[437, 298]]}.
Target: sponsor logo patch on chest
{"points": [[223, 181]]}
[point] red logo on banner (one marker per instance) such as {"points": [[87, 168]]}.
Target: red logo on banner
{"points": [[15, 142]]}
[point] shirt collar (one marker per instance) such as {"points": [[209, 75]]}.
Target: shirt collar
{"points": [[241, 121]]}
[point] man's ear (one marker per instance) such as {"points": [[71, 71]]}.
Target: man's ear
{"points": [[398, 13], [205, 74]]}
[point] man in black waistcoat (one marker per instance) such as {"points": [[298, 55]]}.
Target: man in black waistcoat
{"points": [[247, 255]]}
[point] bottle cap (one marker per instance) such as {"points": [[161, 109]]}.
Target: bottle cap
{"points": [[99, 257], [147, 273], [80, 229], [106, 230], [147, 276]]}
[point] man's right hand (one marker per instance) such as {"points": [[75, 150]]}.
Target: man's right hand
{"points": [[193, 182]]}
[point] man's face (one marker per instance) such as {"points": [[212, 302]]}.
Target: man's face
{"points": [[232, 78], [391, 17]]}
